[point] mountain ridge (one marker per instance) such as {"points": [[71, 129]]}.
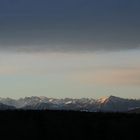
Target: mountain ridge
{"points": [[105, 104]]}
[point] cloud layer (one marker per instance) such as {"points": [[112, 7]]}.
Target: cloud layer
{"points": [[85, 25]]}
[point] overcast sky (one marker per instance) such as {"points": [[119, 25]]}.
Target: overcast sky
{"points": [[70, 48]]}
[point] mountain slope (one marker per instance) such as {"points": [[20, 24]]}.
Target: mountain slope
{"points": [[6, 107], [134, 110]]}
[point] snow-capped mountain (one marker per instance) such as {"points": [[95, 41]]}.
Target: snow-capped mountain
{"points": [[117, 104], [63, 104], [107, 104]]}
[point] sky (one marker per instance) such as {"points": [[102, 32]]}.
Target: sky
{"points": [[70, 48]]}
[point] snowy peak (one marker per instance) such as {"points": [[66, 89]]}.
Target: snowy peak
{"points": [[102, 100], [110, 99]]}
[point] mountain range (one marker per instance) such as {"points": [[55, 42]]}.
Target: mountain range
{"points": [[107, 104]]}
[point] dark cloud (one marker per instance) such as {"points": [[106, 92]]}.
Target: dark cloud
{"points": [[65, 25]]}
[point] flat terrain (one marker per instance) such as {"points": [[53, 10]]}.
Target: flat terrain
{"points": [[69, 125]]}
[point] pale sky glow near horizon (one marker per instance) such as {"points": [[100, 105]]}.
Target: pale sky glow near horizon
{"points": [[70, 49], [73, 75]]}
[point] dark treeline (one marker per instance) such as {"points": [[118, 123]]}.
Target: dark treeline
{"points": [[68, 125]]}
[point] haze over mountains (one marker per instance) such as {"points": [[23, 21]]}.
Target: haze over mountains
{"points": [[108, 104]]}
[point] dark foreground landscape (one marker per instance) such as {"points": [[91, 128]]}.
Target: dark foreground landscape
{"points": [[69, 125]]}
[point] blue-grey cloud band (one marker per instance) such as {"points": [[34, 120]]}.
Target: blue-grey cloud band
{"points": [[85, 25]]}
